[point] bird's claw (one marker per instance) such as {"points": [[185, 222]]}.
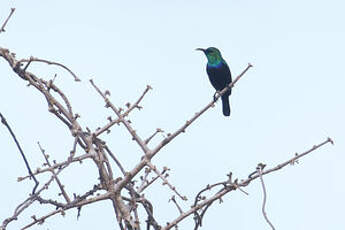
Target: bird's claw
{"points": [[215, 96]]}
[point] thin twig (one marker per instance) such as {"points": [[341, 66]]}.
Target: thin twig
{"points": [[58, 165], [259, 170], [3, 121], [133, 133], [63, 192], [165, 181], [148, 183], [288, 162], [33, 59], [175, 202], [2, 29], [27, 65], [51, 85], [62, 210], [158, 130], [115, 159], [135, 105], [199, 217], [29, 201], [149, 210]]}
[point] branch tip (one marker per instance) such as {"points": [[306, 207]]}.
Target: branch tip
{"points": [[330, 140]]}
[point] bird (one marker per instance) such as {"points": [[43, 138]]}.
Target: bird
{"points": [[219, 75]]}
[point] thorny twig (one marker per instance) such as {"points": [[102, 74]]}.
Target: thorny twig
{"points": [[225, 184], [165, 181], [46, 157], [135, 136], [243, 183], [146, 183], [135, 105], [151, 153], [58, 165], [92, 146], [198, 114], [28, 202], [56, 108], [72, 205]]}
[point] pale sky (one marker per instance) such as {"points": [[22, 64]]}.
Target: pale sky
{"points": [[292, 99]]}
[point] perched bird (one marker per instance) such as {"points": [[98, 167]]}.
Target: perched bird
{"points": [[219, 74]]}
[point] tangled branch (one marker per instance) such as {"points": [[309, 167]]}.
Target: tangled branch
{"points": [[94, 149]]}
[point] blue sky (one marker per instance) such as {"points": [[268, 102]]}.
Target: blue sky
{"points": [[292, 99]]}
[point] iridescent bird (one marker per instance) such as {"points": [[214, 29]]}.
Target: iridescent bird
{"points": [[219, 74]]}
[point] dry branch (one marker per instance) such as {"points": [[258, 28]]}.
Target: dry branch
{"points": [[33, 59], [95, 149], [198, 114], [233, 186]]}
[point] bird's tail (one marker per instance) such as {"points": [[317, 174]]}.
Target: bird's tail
{"points": [[226, 105]]}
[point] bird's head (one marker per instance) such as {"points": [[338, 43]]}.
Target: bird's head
{"points": [[213, 55]]}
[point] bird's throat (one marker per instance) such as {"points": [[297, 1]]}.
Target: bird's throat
{"points": [[214, 61]]}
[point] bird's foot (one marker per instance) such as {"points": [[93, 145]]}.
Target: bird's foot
{"points": [[215, 96]]}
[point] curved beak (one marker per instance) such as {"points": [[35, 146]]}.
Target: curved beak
{"points": [[201, 49]]}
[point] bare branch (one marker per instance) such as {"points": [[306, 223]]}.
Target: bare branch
{"points": [[288, 162], [57, 165], [135, 105], [135, 136], [63, 192], [146, 183], [125, 208], [243, 183], [33, 59], [28, 202], [175, 202], [149, 210], [198, 114], [62, 210], [115, 159], [165, 181], [158, 130]]}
